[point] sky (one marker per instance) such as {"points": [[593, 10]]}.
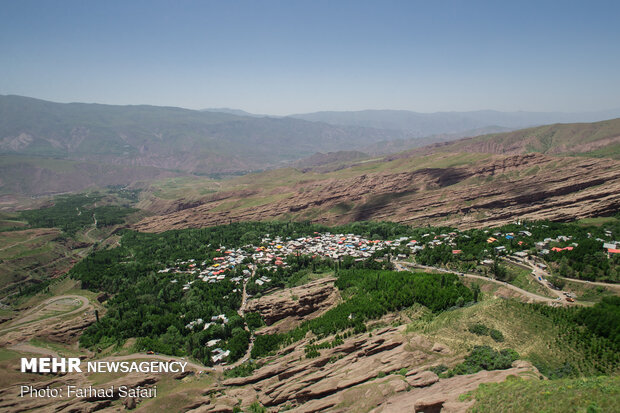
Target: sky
{"points": [[284, 57]]}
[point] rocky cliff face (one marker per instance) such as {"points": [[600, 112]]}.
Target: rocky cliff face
{"points": [[492, 192]]}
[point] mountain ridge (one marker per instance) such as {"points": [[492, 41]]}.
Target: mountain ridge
{"points": [[167, 137], [425, 124]]}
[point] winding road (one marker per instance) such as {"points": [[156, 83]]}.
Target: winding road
{"points": [[535, 297], [544, 274], [602, 284], [28, 316]]}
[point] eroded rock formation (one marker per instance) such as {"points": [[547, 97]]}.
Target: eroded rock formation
{"points": [[386, 370], [491, 192]]}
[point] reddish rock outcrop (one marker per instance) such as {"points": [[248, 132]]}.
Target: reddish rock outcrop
{"points": [[293, 305], [423, 379], [360, 375], [443, 394], [318, 383]]}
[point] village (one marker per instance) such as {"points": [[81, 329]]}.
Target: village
{"points": [[237, 264], [272, 254], [257, 264]]}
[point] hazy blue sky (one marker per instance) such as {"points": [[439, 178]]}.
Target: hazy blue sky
{"points": [[282, 57]]}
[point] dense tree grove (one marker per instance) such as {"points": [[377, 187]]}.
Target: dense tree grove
{"points": [[72, 213], [593, 331], [254, 320], [603, 319], [372, 294]]}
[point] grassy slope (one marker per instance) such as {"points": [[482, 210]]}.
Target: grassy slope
{"points": [[10, 221], [32, 255], [609, 151], [531, 334], [35, 253], [597, 221], [594, 394], [186, 187]]}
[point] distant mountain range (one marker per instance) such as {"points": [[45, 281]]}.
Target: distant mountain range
{"points": [[426, 124], [144, 140], [171, 138]]}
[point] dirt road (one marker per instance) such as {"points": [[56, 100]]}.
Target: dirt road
{"points": [[540, 272], [537, 274], [244, 301]]}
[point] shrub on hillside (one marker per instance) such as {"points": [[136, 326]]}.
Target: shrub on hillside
{"points": [[484, 358]]}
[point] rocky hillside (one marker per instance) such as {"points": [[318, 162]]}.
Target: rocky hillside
{"points": [[443, 188], [358, 373]]}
